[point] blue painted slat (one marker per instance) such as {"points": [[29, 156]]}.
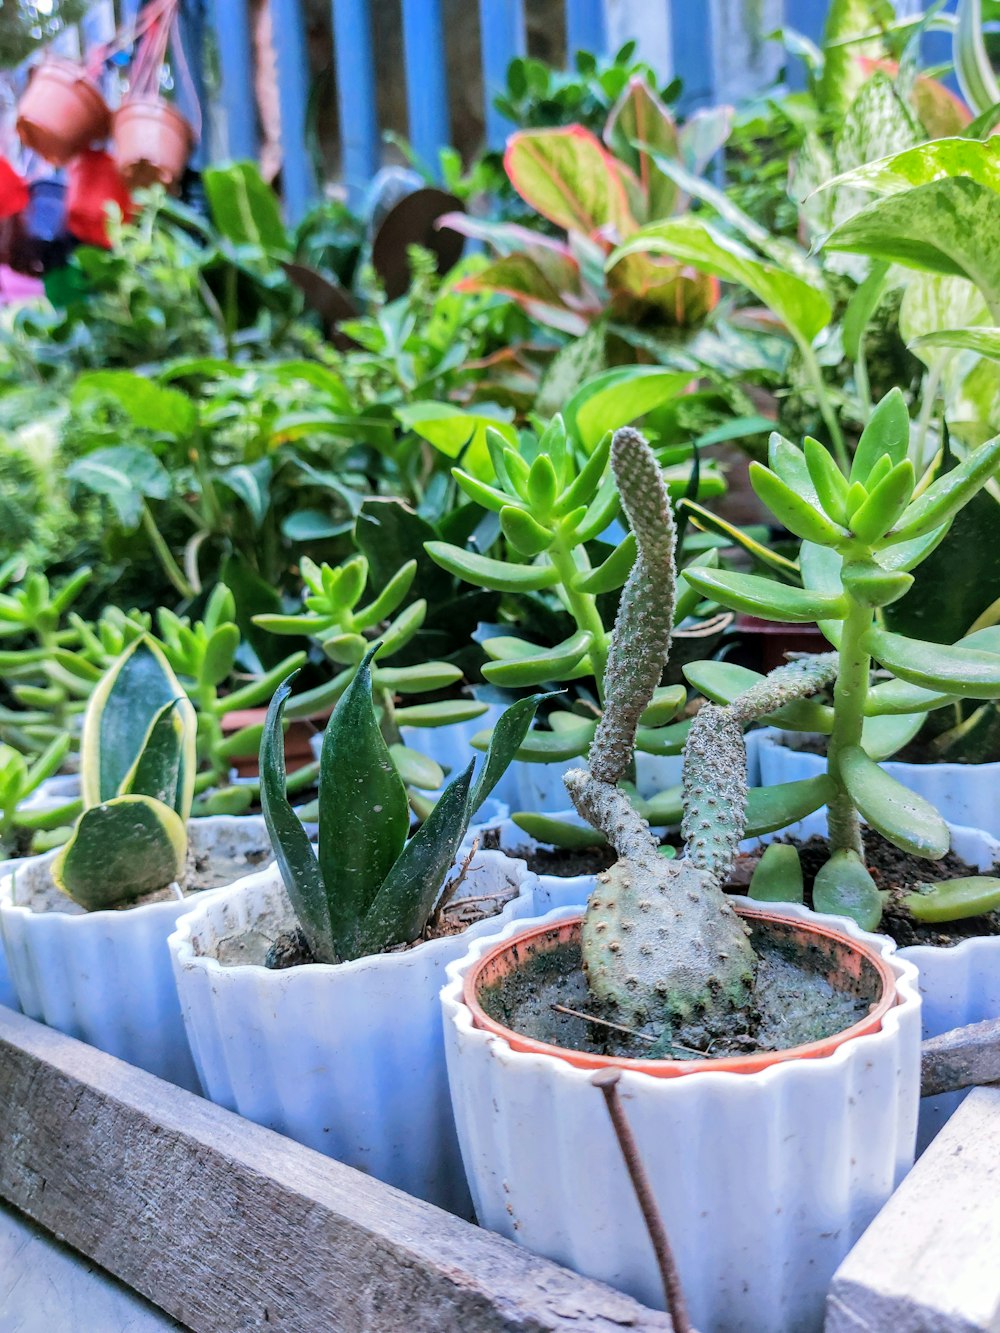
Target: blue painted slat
{"points": [[192, 100], [586, 29], [352, 36], [936, 48], [293, 90], [809, 18], [691, 39], [232, 30], [502, 37], [426, 79]]}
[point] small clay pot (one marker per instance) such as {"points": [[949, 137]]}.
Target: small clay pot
{"points": [[298, 750], [151, 142], [62, 111], [837, 955], [766, 643]]}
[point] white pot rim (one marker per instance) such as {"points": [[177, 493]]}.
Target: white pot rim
{"points": [[181, 942], [775, 736], [458, 1012], [79, 920]]}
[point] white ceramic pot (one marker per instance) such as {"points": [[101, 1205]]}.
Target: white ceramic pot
{"points": [[105, 977], [540, 787], [765, 1180], [959, 985], [348, 1058], [965, 794], [8, 995]]}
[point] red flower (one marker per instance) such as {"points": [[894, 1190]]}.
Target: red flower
{"points": [[94, 182], [13, 191]]}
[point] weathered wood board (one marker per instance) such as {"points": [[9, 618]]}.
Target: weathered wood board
{"points": [[227, 1226]]}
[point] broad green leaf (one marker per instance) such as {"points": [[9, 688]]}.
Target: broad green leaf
{"points": [[296, 859], [569, 177], [251, 482], [798, 305], [773, 808], [485, 572], [244, 208], [456, 433], [120, 850], [148, 405], [536, 669], [955, 899], [956, 670], [618, 397], [900, 815], [777, 877], [126, 474], [524, 279], [165, 768], [983, 341], [937, 160], [844, 887], [765, 597]]}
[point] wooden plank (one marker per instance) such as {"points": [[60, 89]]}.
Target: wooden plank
{"points": [[355, 65], [235, 47], [228, 1226], [297, 181], [961, 1058], [929, 1260]]}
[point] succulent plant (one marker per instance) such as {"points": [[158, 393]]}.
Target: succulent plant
{"points": [[663, 949], [862, 534], [137, 772], [370, 885], [19, 779]]}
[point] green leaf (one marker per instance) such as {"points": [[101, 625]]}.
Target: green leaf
{"points": [[546, 747], [792, 509], [936, 160], [250, 482], [773, 808], [486, 572], [126, 475], [119, 851], [844, 887], [441, 714], [777, 877], [942, 500], [861, 308], [882, 735], [640, 115], [148, 405], [244, 208], [765, 597], [618, 397], [886, 434], [721, 682], [423, 679], [611, 573], [536, 669], [955, 899], [416, 769], [456, 433], [828, 480], [165, 767], [873, 519], [956, 670], [296, 859], [797, 304], [983, 341], [559, 833], [892, 698], [524, 533], [900, 815], [706, 521], [667, 702], [569, 177], [511, 728]]}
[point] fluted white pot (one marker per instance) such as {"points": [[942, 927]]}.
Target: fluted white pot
{"points": [[960, 984], [765, 1180], [347, 1058], [965, 794], [8, 995], [105, 977], [540, 787]]}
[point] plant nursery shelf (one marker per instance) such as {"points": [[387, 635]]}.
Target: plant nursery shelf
{"points": [[228, 1226]]}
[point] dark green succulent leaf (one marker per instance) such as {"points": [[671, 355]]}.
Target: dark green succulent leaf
{"points": [[558, 832], [773, 808], [777, 877], [120, 850], [485, 572], [508, 734], [164, 769], [550, 664], [844, 887], [965, 671], [765, 597]]}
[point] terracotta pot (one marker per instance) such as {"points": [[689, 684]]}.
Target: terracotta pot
{"points": [[298, 748], [837, 955], [62, 111], [151, 142], [766, 643]]}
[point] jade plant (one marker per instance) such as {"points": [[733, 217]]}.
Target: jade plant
{"points": [[332, 618], [24, 829], [137, 771], [370, 886], [552, 502], [862, 535], [663, 948]]}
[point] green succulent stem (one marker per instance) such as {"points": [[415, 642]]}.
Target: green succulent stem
{"points": [[583, 608], [849, 695]]}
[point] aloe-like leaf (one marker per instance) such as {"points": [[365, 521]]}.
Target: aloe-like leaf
{"points": [[955, 899], [120, 850], [844, 887], [165, 767], [119, 715], [508, 734], [777, 877], [540, 667], [938, 667], [900, 815], [485, 572], [765, 597], [559, 833], [296, 859], [406, 897], [773, 808]]}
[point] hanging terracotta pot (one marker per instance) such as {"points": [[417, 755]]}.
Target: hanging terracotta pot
{"points": [[62, 111], [151, 142], [13, 191], [93, 182]]}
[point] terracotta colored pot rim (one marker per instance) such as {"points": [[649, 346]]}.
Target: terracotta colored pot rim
{"points": [[740, 1064]]}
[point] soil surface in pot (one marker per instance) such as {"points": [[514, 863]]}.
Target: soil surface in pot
{"points": [[203, 870], [793, 1003], [895, 871], [562, 861]]}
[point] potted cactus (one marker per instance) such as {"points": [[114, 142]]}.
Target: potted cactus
{"points": [[768, 1147], [102, 905], [862, 535], [310, 991]]}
